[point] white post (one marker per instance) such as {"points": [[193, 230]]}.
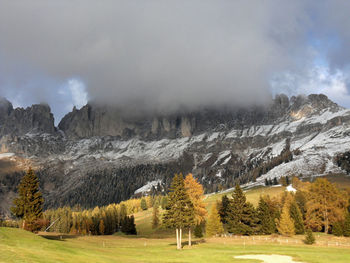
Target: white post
{"points": [[177, 238]]}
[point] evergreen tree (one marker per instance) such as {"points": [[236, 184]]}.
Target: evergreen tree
{"points": [[266, 220], [128, 225], [275, 181], [214, 225], [224, 208], [337, 229], [300, 199], [309, 237], [287, 180], [164, 202], [241, 218], [179, 213], [346, 229], [143, 204], [286, 225], [155, 217], [198, 231], [29, 204], [132, 226], [297, 217]]}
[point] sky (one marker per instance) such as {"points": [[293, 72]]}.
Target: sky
{"points": [[162, 55]]}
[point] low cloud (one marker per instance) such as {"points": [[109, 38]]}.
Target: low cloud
{"points": [[162, 55]]}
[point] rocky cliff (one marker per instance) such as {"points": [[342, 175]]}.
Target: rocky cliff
{"points": [[101, 154], [35, 119]]}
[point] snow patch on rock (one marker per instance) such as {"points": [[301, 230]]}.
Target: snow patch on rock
{"points": [[147, 187]]}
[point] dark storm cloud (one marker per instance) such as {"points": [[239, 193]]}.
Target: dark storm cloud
{"points": [[156, 54]]}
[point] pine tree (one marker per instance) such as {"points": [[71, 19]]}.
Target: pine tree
{"points": [[195, 192], [128, 225], [214, 225], [297, 217], [29, 204], [346, 229], [179, 213], [286, 225], [337, 229], [224, 208], [266, 220], [143, 204], [164, 202], [300, 199], [155, 217], [309, 237], [241, 218]]}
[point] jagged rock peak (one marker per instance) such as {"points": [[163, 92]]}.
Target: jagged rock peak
{"points": [[94, 120], [36, 118]]}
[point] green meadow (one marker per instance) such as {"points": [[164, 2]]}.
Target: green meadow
{"points": [[17, 245], [159, 245]]}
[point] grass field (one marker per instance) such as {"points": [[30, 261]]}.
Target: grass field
{"points": [[158, 245], [252, 195], [20, 246]]}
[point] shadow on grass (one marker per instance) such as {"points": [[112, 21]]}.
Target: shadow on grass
{"points": [[59, 237], [194, 243]]}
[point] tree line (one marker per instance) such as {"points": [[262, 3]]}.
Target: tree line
{"points": [[318, 206]]}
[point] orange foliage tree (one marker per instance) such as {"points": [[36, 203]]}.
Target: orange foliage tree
{"points": [[196, 194]]}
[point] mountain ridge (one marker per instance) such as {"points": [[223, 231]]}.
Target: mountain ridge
{"points": [[218, 147]]}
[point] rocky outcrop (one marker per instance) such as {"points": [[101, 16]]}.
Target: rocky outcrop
{"points": [[218, 145], [35, 119], [93, 120]]}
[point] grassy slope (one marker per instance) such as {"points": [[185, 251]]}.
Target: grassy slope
{"points": [[19, 246]]}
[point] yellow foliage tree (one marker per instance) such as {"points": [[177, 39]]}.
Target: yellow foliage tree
{"points": [[196, 194], [286, 224], [326, 205], [214, 225]]}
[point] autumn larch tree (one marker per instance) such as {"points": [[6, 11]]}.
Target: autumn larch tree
{"points": [[196, 194], [326, 205], [214, 225], [29, 203], [285, 225], [179, 212]]}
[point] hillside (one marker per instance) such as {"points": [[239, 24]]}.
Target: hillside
{"points": [[77, 163]]}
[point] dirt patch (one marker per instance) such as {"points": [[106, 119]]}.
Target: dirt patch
{"points": [[270, 258]]}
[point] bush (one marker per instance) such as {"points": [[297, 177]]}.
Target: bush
{"points": [[309, 237]]}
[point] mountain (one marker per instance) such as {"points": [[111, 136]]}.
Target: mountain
{"points": [[101, 154]]}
